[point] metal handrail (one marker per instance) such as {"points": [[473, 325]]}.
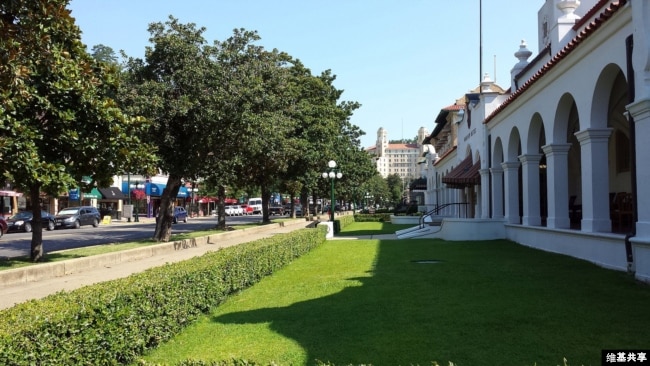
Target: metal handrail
{"points": [[439, 208]]}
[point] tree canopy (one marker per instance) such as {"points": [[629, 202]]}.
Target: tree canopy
{"points": [[57, 121]]}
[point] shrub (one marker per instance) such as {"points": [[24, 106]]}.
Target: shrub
{"points": [[112, 323], [377, 217], [342, 222]]}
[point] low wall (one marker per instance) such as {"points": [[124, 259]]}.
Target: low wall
{"points": [[405, 220], [40, 271], [604, 249]]}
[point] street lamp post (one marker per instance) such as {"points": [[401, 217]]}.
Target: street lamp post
{"points": [[192, 206], [128, 187], [137, 185], [332, 173]]}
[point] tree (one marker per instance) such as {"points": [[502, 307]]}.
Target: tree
{"points": [[395, 188], [375, 189], [104, 54], [179, 87], [57, 123]]}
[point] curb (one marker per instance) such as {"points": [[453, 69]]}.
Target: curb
{"points": [[43, 271]]}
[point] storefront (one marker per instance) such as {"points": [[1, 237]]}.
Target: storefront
{"points": [[153, 192], [111, 201], [9, 201]]}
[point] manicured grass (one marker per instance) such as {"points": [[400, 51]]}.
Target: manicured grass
{"points": [[403, 302], [371, 228]]}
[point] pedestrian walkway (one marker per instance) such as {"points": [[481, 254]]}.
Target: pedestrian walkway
{"points": [[15, 286]]}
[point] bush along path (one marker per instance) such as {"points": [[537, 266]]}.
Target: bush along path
{"points": [[112, 323]]}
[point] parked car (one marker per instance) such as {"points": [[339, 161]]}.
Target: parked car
{"points": [[297, 207], [234, 210], [180, 214], [276, 210], [246, 209], [75, 217], [3, 227], [229, 210], [22, 221], [256, 204]]}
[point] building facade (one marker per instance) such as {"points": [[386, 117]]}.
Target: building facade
{"points": [[398, 158], [558, 160]]}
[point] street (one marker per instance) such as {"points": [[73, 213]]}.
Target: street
{"points": [[18, 244]]}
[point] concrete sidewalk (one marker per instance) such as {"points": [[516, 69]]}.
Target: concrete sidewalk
{"points": [[38, 281]]}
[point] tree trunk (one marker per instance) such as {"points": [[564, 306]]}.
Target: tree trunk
{"points": [[165, 217], [266, 197], [37, 225], [221, 208]]}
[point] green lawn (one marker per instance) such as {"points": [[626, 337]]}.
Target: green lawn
{"points": [[408, 302]]}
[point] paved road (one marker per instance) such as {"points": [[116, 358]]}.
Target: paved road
{"points": [[14, 245]]}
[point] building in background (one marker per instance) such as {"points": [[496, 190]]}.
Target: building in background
{"points": [[398, 158]]}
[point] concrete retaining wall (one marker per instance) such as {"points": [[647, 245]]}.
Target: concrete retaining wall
{"points": [[42, 271]]}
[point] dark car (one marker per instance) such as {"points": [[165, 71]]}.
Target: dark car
{"points": [[22, 221], [297, 207], [75, 217], [276, 210], [180, 214], [3, 227]]}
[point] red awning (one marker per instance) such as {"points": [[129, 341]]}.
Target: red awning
{"points": [[464, 175], [10, 194]]}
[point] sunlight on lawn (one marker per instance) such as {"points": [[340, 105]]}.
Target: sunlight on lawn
{"points": [[318, 275]]}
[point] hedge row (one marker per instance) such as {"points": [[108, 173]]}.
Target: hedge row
{"points": [[376, 217], [112, 323]]}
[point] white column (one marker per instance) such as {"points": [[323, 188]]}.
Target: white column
{"points": [[497, 192], [530, 184], [485, 193], [640, 111], [511, 185], [557, 185], [595, 179]]}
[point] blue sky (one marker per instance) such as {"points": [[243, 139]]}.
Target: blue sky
{"points": [[402, 60]]}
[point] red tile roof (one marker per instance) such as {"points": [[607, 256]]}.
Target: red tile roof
{"points": [[605, 15]]}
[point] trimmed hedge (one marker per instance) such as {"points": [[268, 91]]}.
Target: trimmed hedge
{"points": [[341, 222], [377, 217], [114, 322]]}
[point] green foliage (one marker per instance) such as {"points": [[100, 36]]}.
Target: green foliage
{"points": [[377, 217], [58, 121], [104, 53], [342, 221], [114, 322], [395, 189]]}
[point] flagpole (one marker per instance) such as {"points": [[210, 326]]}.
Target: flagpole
{"points": [[480, 45]]}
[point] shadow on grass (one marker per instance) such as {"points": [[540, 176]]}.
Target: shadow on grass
{"points": [[469, 303]]}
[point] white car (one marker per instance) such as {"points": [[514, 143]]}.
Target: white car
{"points": [[234, 210]]}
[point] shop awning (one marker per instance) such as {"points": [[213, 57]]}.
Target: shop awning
{"points": [[206, 199], [419, 184], [156, 190], [94, 194], [10, 194], [112, 193], [464, 175]]}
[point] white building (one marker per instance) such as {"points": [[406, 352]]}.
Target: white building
{"points": [[558, 161], [398, 158]]}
